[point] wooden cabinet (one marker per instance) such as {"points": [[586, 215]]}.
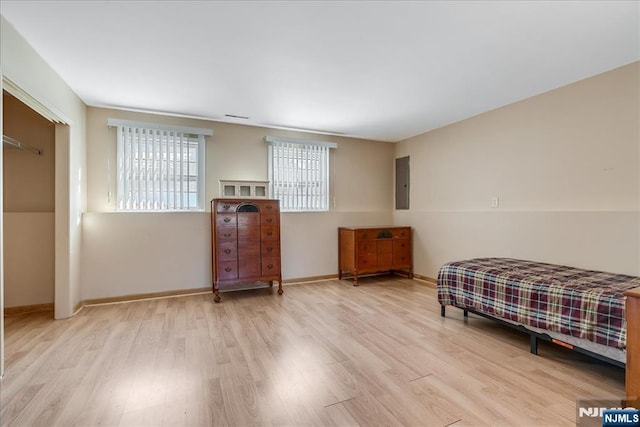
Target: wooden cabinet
{"points": [[246, 242], [368, 250]]}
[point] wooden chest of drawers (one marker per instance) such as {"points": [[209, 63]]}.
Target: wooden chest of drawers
{"points": [[246, 242], [368, 250]]}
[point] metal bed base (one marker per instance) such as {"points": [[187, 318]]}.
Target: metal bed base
{"points": [[535, 336]]}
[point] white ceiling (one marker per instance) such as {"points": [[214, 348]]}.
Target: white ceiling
{"points": [[376, 70]]}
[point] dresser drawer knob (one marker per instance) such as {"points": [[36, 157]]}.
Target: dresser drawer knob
{"points": [[227, 219], [269, 266], [227, 234], [227, 251], [269, 233], [269, 249], [365, 235], [269, 219], [269, 207], [226, 207], [227, 269]]}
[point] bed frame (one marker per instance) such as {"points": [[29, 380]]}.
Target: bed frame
{"points": [[633, 345], [535, 336], [632, 365]]}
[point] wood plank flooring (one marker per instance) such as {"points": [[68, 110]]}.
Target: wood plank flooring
{"points": [[324, 353]]}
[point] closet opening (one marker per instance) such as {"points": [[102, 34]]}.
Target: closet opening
{"points": [[28, 210]]}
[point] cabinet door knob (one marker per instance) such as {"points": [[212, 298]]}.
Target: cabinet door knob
{"points": [[227, 251], [227, 269], [227, 219]]}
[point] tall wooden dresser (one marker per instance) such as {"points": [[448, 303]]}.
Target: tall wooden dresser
{"points": [[368, 250], [246, 242]]}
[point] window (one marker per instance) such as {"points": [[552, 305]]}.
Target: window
{"points": [[159, 168], [299, 173]]}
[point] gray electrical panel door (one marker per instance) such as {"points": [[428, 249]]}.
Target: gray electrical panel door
{"points": [[402, 183]]}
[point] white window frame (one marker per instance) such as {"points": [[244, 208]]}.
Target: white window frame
{"points": [[300, 189], [149, 186]]}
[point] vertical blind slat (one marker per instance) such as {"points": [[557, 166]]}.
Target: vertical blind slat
{"points": [[159, 170], [299, 175]]}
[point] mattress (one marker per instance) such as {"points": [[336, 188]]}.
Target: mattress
{"points": [[583, 304]]}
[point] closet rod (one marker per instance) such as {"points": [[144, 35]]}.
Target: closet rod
{"points": [[20, 145]]}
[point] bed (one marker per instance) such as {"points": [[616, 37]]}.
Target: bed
{"points": [[579, 309]]}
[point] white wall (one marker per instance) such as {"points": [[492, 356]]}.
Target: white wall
{"points": [[564, 164], [137, 253]]}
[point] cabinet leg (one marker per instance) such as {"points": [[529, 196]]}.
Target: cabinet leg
{"points": [[355, 280], [280, 291]]}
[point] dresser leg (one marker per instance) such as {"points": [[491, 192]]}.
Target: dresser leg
{"points": [[216, 294], [355, 280], [280, 291]]}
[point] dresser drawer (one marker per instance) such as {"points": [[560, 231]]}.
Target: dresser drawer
{"points": [[269, 207], [269, 232], [227, 233], [401, 233], [367, 261], [227, 270], [401, 245], [269, 219], [270, 248], [367, 247], [227, 251], [226, 219], [369, 233], [270, 266], [401, 259], [226, 206]]}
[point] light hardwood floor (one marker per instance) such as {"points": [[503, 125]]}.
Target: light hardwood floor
{"points": [[324, 353]]}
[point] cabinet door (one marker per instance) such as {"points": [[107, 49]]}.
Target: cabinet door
{"points": [[385, 254], [248, 268]]}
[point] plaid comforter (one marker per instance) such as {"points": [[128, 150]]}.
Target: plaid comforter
{"points": [[581, 303]]}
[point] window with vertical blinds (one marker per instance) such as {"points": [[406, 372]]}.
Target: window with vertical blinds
{"points": [[299, 173], [159, 168]]}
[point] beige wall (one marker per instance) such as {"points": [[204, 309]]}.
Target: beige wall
{"points": [[21, 65], [29, 199], [130, 253], [28, 177], [564, 165]]}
